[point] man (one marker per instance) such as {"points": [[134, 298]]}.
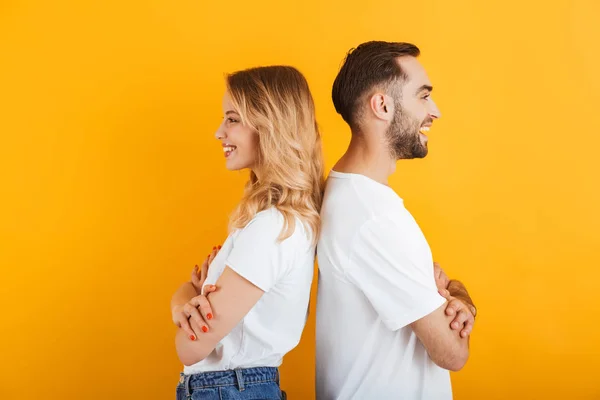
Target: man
{"points": [[389, 324]]}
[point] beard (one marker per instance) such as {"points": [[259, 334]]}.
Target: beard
{"points": [[403, 136]]}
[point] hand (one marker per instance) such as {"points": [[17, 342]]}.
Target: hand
{"points": [[192, 316], [441, 279], [199, 274], [463, 312]]}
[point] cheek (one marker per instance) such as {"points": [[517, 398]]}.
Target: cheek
{"points": [[251, 144], [247, 142]]}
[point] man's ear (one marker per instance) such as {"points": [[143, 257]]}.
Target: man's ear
{"points": [[382, 106]]}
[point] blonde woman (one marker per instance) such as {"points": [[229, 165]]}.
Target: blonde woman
{"points": [[239, 317]]}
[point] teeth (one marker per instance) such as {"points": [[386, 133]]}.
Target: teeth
{"points": [[424, 129], [228, 148]]}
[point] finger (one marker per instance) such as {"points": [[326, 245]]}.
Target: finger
{"points": [[212, 255], [209, 289], [468, 327], [196, 320], [196, 281], [473, 311], [205, 309], [184, 323], [460, 319], [453, 306], [204, 271], [444, 293]]}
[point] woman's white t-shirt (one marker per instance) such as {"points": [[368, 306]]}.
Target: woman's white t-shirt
{"points": [[284, 271]]}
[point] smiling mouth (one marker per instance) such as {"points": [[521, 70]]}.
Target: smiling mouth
{"points": [[227, 150], [424, 130]]}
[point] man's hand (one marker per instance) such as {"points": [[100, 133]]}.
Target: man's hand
{"points": [[465, 318], [459, 304]]}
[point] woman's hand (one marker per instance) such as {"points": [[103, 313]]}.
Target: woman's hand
{"points": [[199, 274], [192, 316]]}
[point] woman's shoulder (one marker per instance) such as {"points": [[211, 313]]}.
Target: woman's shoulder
{"points": [[272, 220]]}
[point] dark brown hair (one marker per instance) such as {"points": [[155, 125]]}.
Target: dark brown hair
{"points": [[369, 65]]}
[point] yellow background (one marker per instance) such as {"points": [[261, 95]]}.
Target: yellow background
{"points": [[113, 186]]}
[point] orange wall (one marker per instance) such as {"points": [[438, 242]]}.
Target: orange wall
{"points": [[113, 187]]}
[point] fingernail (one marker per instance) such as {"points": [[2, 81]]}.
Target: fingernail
{"points": [[204, 329], [219, 247], [192, 337], [196, 266], [209, 316], [214, 247]]}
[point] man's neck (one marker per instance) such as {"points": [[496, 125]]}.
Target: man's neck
{"points": [[367, 156]]}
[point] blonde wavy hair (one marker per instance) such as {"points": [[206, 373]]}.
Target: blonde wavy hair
{"points": [[276, 102]]}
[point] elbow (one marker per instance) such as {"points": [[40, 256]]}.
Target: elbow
{"points": [[189, 352], [454, 362], [188, 358], [458, 363]]}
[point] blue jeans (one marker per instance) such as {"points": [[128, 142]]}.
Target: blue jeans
{"points": [[238, 384]]}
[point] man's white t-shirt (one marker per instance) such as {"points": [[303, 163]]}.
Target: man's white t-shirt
{"points": [[375, 278], [284, 271]]}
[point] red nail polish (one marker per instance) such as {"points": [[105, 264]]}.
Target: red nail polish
{"points": [[192, 337], [219, 247], [214, 248], [204, 329], [209, 316]]}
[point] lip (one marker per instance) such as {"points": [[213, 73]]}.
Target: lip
{"points": [[228, 153]]}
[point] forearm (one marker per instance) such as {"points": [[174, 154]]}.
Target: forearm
{"points": [[445, 346], [184, 294]]}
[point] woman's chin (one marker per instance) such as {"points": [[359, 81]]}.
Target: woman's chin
{"points": [[233, 166]]}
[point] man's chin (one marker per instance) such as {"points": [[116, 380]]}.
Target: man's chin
{"points": [[422, 151]]}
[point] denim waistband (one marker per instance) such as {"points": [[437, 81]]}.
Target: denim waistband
{"points": [[238, 377]]}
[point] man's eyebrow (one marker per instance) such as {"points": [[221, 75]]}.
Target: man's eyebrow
{"points": [[424, 87]]}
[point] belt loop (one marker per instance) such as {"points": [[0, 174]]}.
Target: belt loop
{"points": [[186, 384], [240, 379]]}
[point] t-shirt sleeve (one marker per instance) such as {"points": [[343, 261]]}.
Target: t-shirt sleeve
{"points": [[397, 280], [257, 255]]}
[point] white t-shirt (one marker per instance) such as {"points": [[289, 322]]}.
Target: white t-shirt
{"points": [[375, 278], [284, 271]]}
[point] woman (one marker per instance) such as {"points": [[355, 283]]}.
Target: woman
{"points": [[244, 313]]}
